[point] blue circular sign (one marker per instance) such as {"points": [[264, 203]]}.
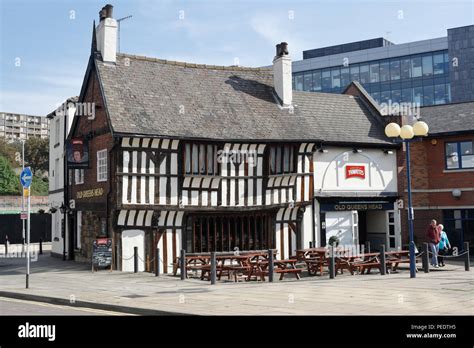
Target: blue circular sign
{"points": [[26, 177]]}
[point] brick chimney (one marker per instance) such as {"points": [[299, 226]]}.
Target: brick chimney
{"points": [[107, 35], [282, 79]]}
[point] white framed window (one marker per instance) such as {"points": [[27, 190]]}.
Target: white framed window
{"points": [[102, 165], [79, 176]]}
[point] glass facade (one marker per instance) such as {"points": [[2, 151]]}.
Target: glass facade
{"points": [[421, 78]]}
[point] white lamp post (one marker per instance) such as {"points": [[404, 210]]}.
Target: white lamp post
{"points": [[406, 133]]}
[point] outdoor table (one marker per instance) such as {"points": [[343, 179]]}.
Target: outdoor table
{"points": [[394, 258], [357, 262]]}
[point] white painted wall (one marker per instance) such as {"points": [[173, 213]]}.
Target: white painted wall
{"points": [[307, 228], [131, 239], [330, 172]]}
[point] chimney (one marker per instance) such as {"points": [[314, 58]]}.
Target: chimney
{"points": [[107, 34], [282, 79]]}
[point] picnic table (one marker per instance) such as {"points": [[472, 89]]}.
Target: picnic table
{"points": [[282, 267]]}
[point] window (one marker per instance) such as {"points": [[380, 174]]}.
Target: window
{"points": [[374, 72], [364, 76], [407, 95], [417, 95], [79, 176], [355, 73], [201, 159], [102, 165], [440, 94], [459, 155], [345, 76], [427, 95], [57, 132], [326, 77], [416, 67], [299, 82], [438, 64], [384, 71], [56, 173], [281, 159], [396, 96], [336, 78], [317, 81], [395, 70], [428, 65], [405, 68], [308, 81]]}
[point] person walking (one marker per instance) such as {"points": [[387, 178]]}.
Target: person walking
{"points": [[443, 246], [433, 235]]}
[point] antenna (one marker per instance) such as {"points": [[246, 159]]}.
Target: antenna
{"points": [[118, 33]]}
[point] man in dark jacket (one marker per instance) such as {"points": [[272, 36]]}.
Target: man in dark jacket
{"points": [[433, 234]]}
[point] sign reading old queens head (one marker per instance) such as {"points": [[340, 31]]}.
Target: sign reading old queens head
{"points": [[355, 172]]}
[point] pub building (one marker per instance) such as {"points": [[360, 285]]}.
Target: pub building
{"points": [[212, 158]]}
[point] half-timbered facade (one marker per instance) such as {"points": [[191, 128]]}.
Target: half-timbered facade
{"points": [[204, 158]]}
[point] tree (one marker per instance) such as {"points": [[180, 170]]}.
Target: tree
{"points": [[9, 181], [37, 154], [9, 151]]}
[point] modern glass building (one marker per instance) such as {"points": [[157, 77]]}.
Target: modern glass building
{"points": [[418, 72]]}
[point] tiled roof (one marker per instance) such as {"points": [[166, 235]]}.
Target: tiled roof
{"points": [[449, 118], [147, 96]]}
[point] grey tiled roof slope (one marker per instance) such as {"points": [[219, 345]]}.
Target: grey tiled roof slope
{"points": [[156, 97], [449, 118]]}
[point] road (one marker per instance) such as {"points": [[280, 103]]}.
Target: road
{"points": [[10, 306]]}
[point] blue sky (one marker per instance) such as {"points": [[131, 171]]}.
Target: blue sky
{"points": [[45, 45]]}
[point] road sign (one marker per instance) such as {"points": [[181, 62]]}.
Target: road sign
{"points": [[23, 215], [26, 176]]}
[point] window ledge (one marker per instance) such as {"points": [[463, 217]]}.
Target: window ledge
{"points": [[458, 170]]}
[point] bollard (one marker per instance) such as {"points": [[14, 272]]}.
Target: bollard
{"points": [[332, 265], [135, 259], [367, 246], [310, 245], [467, 266], [41, 246], [157, 262], [6, 245], [182, 264], [270, 265], [116, 257], [383, 268], [213, 268], [425, 260]]}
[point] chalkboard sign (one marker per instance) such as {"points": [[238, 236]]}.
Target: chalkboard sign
{"points": [[102, 253]]}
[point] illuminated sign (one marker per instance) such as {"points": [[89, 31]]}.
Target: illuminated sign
{"points": [[355, 172]]}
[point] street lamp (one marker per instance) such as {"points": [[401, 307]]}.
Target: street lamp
{"points": [[407, 133]]}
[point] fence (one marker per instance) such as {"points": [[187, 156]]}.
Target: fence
{"points": [[11, 227]]}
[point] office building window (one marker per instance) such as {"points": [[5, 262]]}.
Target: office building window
{"points": [[395, 70], [317, 81], [427, 95], [336, 78], [440, 94], [326, 78], [427, 65], [354, 72], [384, 71], [374, 72], [364, 76], [299, 82], [102, 165], [438, 63], [308, 81], [417, 95], [416, 67], [396, 96], [405, 65], [459, 155], [345, 76], [407, 95]]}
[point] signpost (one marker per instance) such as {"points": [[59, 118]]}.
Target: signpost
{"points": [[26, 177]]}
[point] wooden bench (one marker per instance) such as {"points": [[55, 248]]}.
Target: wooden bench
{"points": [[295, 271]]}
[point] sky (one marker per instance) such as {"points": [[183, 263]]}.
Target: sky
{"points": [[45, 44]]}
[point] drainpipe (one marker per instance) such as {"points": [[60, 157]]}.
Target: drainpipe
{"points": [[65, 183]]}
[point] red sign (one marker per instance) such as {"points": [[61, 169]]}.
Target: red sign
{"points": [[23, 215], [355, 172]]}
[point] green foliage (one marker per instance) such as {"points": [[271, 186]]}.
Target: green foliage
{"points": [[9, 181], [39, 186], [37, 154], [11, 151]]}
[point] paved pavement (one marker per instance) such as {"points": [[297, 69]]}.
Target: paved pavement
{"points": [[445, 291], [11, 306]]}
